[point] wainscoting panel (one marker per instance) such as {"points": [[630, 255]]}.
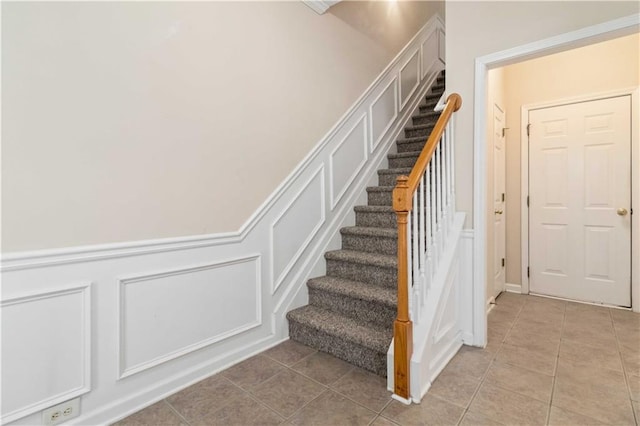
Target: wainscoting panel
{"points": [[409, 78], [304, 215], [384, 111], [430, 53], [347, 160], [46, 352], [168, 314]]}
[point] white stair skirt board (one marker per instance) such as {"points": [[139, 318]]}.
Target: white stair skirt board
{"points": [[269, 258], [437, 334]]}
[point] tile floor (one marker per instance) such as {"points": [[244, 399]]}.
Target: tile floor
{"points": [[547, 362]]}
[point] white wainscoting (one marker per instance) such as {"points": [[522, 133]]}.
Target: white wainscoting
{"points": [[124, 325], [46, 348]]}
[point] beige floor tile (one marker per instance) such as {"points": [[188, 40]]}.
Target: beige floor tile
{"points": [[599, 394], [287, 392], [628, 339], [470, 361], [252, 371], [517, 379], [508, 407], [471, 418], [599, 337], [494, 342], [289, 352], [157, 414], [430, 411], [636, 409], [596, 379], [533, 342], [204, 397], [455, 388], [332, 409], [323, 367], [507, 306], [546, 301], [631, 361], [365, 388], [634, 387], [561, 417], [381, 421], [243, 411], [539, 361], [512, 298], [588, 356], [502, 316], [627, 319], [548, 331]]}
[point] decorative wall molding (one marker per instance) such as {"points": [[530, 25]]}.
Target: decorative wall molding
{"points": [[335, 194], [51, 321], [409, 84], [320, 6], [290, 240], [125, 318], [271, 273]]}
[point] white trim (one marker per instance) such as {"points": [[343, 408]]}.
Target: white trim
{"points": [[592, 34], [394, 82], [404, 102], [277, 281], [401, 399], [513, 288], [85, 289], [634, 93], [335, 199], [320, 6], [124, 371]]}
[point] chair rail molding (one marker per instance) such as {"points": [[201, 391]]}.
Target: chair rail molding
{"points": [[320, 6]]}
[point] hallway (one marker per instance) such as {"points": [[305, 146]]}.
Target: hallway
{"points": [[547, 362]]}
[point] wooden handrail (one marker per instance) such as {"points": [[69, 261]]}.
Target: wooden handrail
{"points": [[402, 204]]}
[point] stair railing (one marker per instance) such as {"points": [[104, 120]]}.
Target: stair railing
{"points": [[424, 203]]}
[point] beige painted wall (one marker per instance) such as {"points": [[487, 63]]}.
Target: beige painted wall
{"points": [[478, 28], [139, 120], [596, 68]]}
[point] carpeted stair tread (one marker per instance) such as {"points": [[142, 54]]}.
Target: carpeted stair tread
{"points": [[355, 290], [412, 140], [369, 231], [380, 188], [375, 338], [364, 258], [374, 209], [399, 170], [420, 127], [404, 154]]}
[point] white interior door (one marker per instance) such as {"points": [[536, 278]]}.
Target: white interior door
{"points": [[499, 226], [580, 197]]}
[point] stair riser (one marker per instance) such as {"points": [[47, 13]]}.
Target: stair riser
{"points": [[379, 198], [362, 357], [370, 244], [362, 272], [388, 179], [411, 146], [428, 107], [414, 133], [425, 120], [376, 220], [364, 312], [395, 163]]}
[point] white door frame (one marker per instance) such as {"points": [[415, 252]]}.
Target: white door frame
{"points": [[585, 36], [634, 92]]}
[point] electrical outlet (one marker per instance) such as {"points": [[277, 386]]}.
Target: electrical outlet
{"points": [[61, 413]]}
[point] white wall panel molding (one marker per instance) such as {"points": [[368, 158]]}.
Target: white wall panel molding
{"points": [[347, 160], [46, 349], [320, 6], [295, 227], [409, 77], [427, 49], [168, 314], [383, 112]]}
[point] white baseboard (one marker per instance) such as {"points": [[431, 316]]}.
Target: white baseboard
{"points": [[513, 288]]}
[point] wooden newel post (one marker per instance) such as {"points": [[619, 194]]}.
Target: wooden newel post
{"points": [[402, 327]]}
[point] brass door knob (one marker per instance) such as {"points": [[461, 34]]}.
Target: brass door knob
{"points": [[622, 211], [500, 212]]}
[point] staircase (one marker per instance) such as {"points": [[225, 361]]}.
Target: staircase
{"points": [[351, 310]]}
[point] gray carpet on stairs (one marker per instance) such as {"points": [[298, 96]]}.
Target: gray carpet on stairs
{"points": [[351, 310]]}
